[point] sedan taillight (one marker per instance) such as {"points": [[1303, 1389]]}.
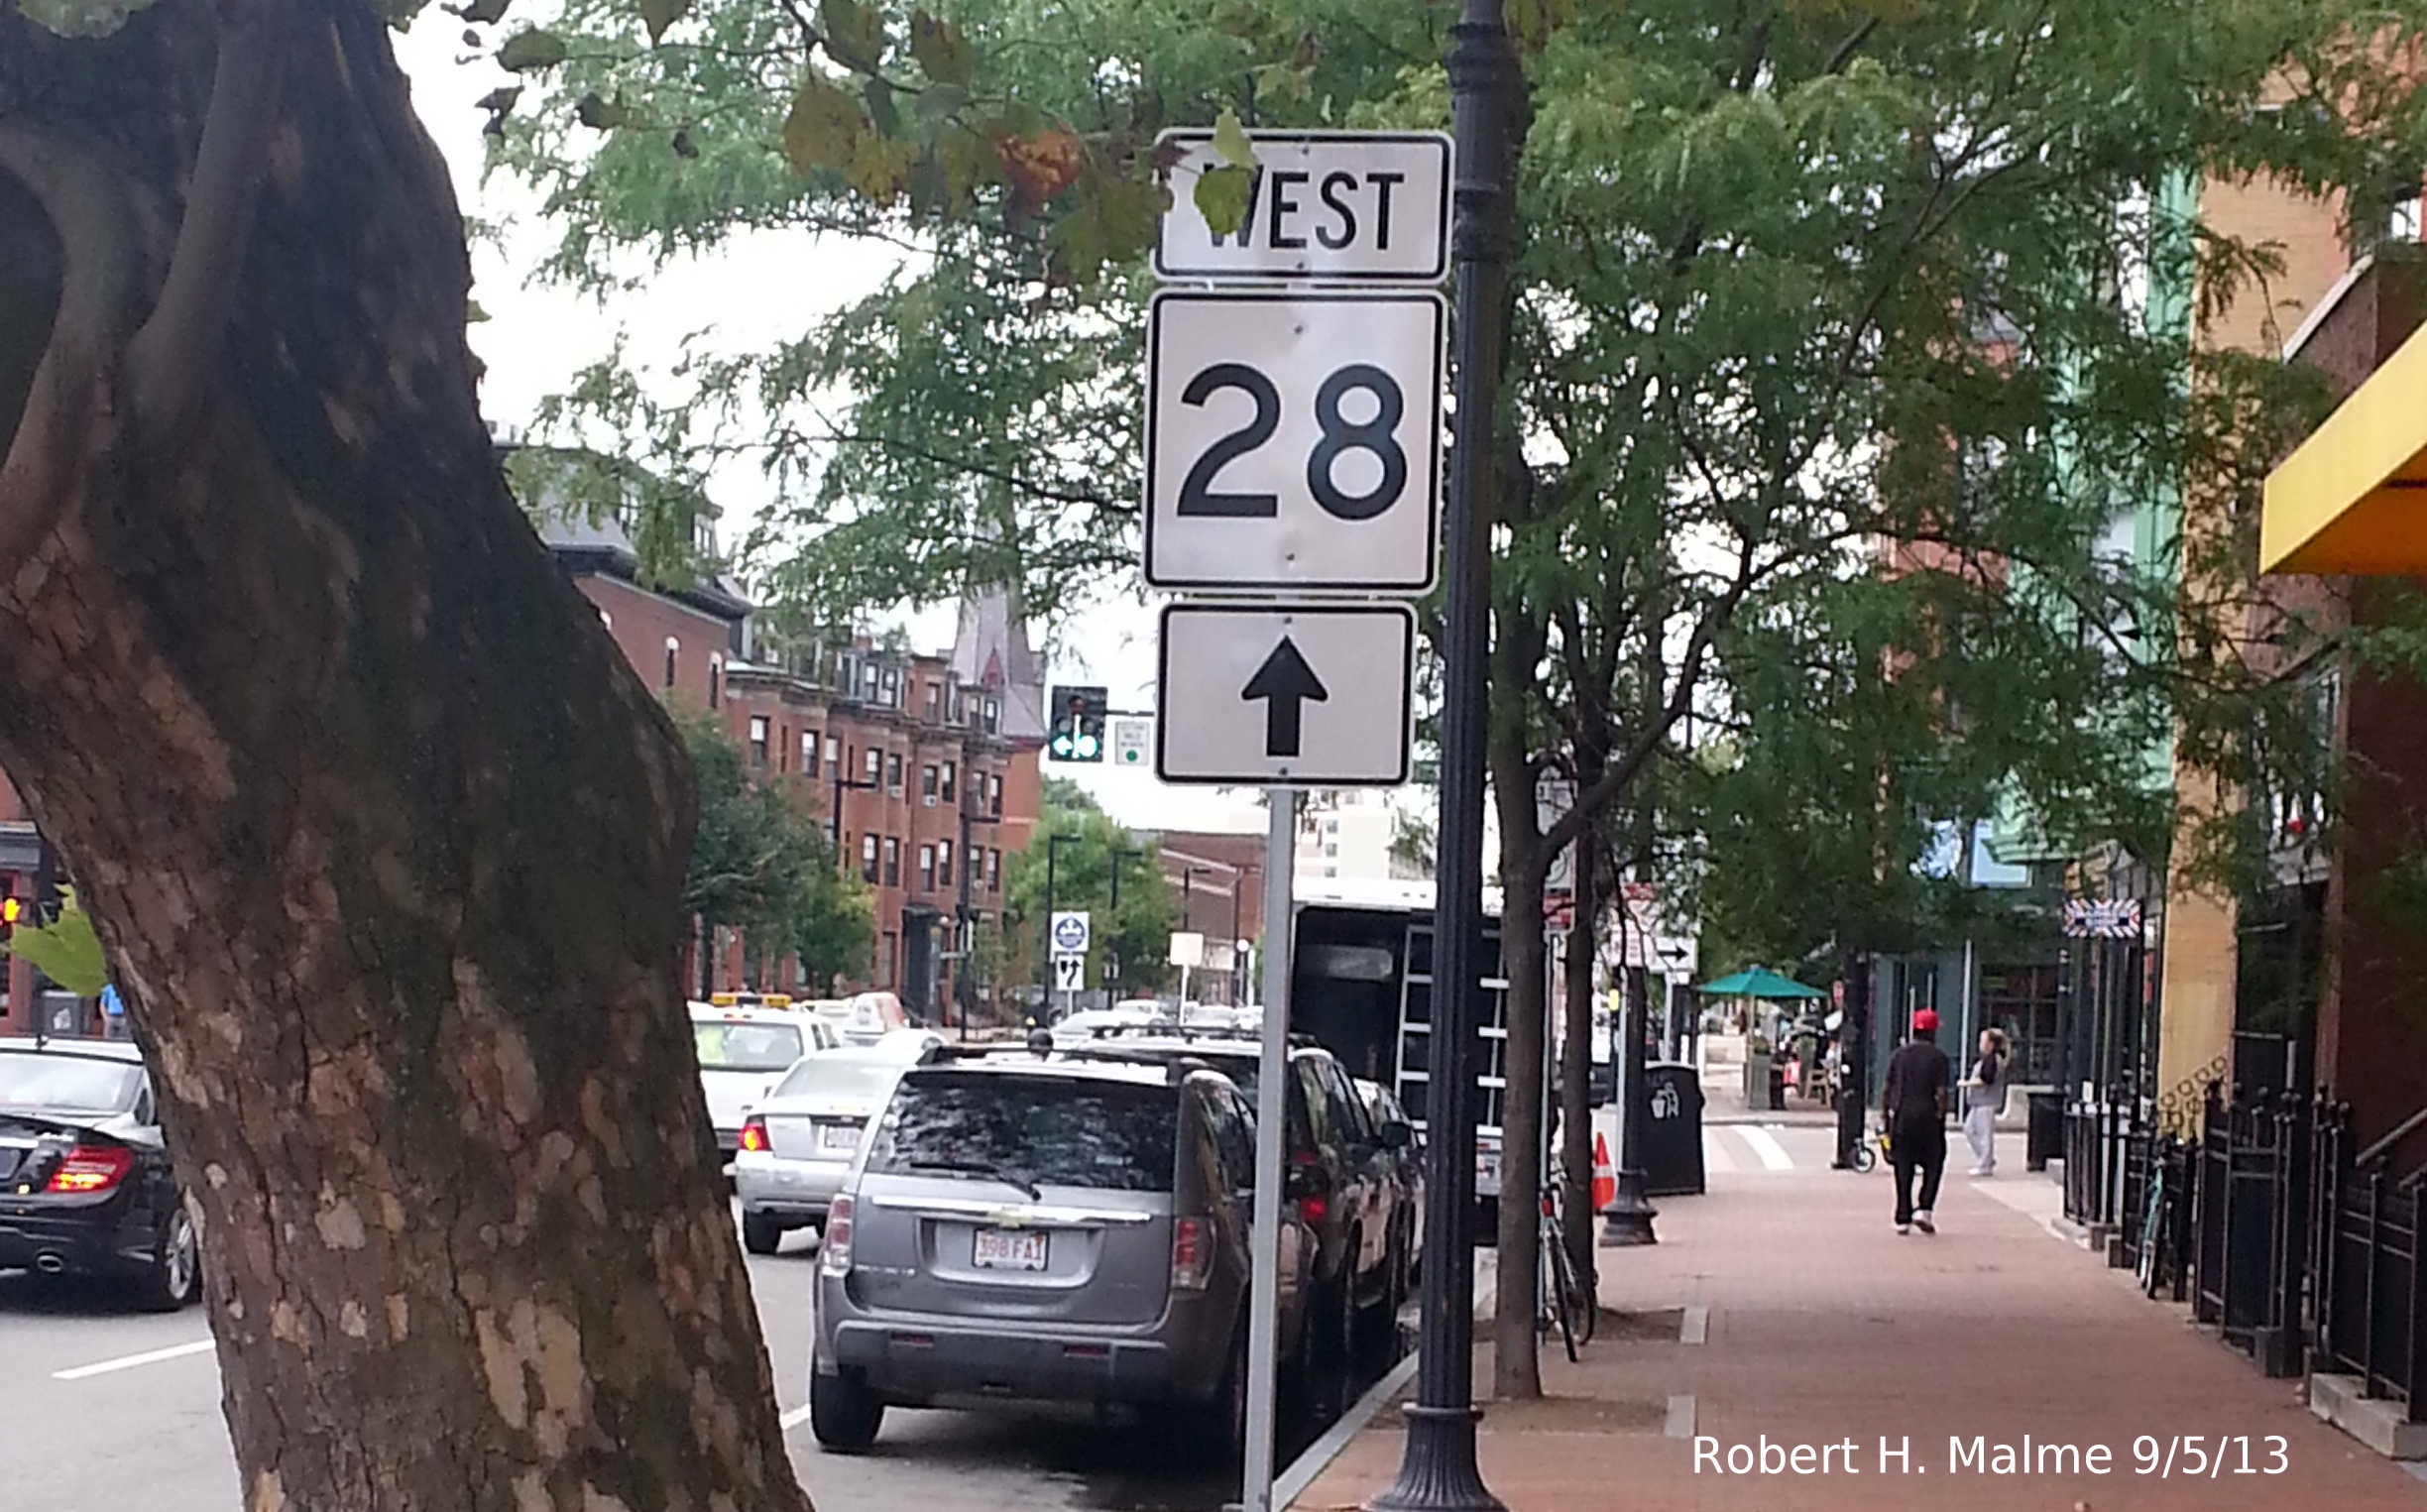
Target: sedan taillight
{"points": [[834, 1245], [753, 1133], [1192, 1254], [91, 1168]]}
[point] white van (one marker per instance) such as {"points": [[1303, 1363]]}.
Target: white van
{"points": [[743, 1052]]}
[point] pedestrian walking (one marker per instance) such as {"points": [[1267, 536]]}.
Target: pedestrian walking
{"points": [[1912, 1114], [1984, 1097]]}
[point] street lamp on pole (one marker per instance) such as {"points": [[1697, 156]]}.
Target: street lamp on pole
{"points": [[1437, 1472]]}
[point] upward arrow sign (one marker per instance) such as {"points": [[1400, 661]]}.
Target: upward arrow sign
{"points": [[1285, 682]]}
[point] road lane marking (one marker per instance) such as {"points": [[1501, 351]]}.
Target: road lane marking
{"points": [[1680, 1417], [130, 1362], [1715, 1154], [1695, 1328], [1773, 1154], [795, 1417]]}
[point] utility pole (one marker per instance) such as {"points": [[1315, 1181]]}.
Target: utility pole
{"points": [[1053, 851], [1439, 1472]]}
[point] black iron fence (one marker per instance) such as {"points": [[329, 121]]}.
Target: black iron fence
{"points": [[2096, 1163], [2369, 1314]]}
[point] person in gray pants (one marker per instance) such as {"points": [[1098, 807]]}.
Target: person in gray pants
{"points": [[1984, 1097]]}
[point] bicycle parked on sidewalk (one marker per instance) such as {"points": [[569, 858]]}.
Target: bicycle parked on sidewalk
{"points": [[1565, 1303]]}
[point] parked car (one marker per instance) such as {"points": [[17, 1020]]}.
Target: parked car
{"points": [[870, 1016], [797, 1142], [1384, 1107], [1339, 1178], [742, 1053], [1042, 1229], [85, 1184]]}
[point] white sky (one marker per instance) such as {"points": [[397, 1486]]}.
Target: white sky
{"points": [[537, 339]]}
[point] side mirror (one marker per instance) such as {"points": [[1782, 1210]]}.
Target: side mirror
{"points": [[1397, 1135]]}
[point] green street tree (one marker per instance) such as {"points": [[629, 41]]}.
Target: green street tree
{"points": [[383, 840], [763, 867], [1137, 933], [1792, 280]]}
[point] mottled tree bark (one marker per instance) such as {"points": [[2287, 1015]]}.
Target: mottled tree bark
{"points": [[382, 836]]}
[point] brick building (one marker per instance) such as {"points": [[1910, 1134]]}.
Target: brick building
{"points": [[930, 761]]}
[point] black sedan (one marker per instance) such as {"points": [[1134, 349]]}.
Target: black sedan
{"points": [[85, 1186]]}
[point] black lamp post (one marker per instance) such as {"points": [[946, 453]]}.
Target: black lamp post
{"points": [[1053, 851], [1438, 1472], [1628, 1219]]}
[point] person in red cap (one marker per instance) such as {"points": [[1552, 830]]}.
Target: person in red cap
{"points": [[1913, 1112]]}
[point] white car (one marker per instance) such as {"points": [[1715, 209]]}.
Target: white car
{"points": [[742, 1052], [798, 1142]]}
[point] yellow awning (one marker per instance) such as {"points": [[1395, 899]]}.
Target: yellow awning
{"points": [[2354, 497]]}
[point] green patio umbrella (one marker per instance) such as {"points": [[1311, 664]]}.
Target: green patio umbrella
{"points": [[1760, 982]]}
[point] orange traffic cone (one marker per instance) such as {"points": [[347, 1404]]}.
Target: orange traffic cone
{"points": [[1605, 1177]]}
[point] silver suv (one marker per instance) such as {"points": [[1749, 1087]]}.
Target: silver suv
{"points": [[1026, 1228]]}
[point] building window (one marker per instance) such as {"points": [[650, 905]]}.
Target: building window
{"points": [[993, 870], [893, 775], [960, 706], [868, 857], [995, 797], [834, 751], [758, 732], [892, 862], [809, 753], [994, 715], [927, 784], [673, 650], [935, 701], [890, 688], [943, 862], [875, 765], [948, 781], [927, 871], [716, 681]]}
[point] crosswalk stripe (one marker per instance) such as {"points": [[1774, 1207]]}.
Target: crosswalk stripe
{"points": [[1715, 1157], [1773, 1154]]}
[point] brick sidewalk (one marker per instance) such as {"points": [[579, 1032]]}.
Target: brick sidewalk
{"points": [[1824, 1325]]}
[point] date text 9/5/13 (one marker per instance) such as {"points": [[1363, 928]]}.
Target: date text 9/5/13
{"points": [[2204, 1457]]}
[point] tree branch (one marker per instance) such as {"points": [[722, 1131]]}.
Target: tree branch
{"points": [[170, 361]]}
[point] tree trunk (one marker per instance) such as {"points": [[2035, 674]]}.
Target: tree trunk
{"points": [[1576, 1069], [382, 836], [1516, 1354]]}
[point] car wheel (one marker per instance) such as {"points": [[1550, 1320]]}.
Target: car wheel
{"points": [[175, 1277], [844, 1415], [761, 1233]]}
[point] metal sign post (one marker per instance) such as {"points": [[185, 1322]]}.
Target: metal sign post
{"points": [[1272, 1113]]}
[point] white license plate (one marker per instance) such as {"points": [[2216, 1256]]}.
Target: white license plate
{"points": [[838, 1139], [1009, 1250]]}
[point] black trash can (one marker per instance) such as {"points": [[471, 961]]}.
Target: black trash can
{"points": [[1673, 1130], [2043, 1137], [1778, 1088]]}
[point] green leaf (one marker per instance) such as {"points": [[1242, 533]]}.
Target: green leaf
{"points": [[529, 51], [854, 34], [824, 126], [473, 313], [659, 15], [1231, 143], [880, 167], [879, 97], [941, 52], [66, 950], [600, 114], [1221, 197], [81, 18]]}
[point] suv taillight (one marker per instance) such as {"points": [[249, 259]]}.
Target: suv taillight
{"points": [[834, 1245], [91, 1168], [753, 1133], [1192, 1254], [1313, 1184]]}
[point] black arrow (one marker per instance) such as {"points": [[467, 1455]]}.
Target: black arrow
{"points": [[1288, 682]]}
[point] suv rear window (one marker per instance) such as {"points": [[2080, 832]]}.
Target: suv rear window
{"points": [[1046, 1131]]}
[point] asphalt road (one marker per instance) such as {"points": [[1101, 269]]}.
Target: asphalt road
{"points": [[107, 1409]]}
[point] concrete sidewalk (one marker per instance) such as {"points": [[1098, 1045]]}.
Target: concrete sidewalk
{"points": [[1821, 1326]]}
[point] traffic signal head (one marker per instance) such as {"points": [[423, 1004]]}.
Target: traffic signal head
{"points": [[12, 909], [1078, 729]]}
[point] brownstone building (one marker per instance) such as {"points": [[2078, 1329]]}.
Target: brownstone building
{"points": [[931, 761]]}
